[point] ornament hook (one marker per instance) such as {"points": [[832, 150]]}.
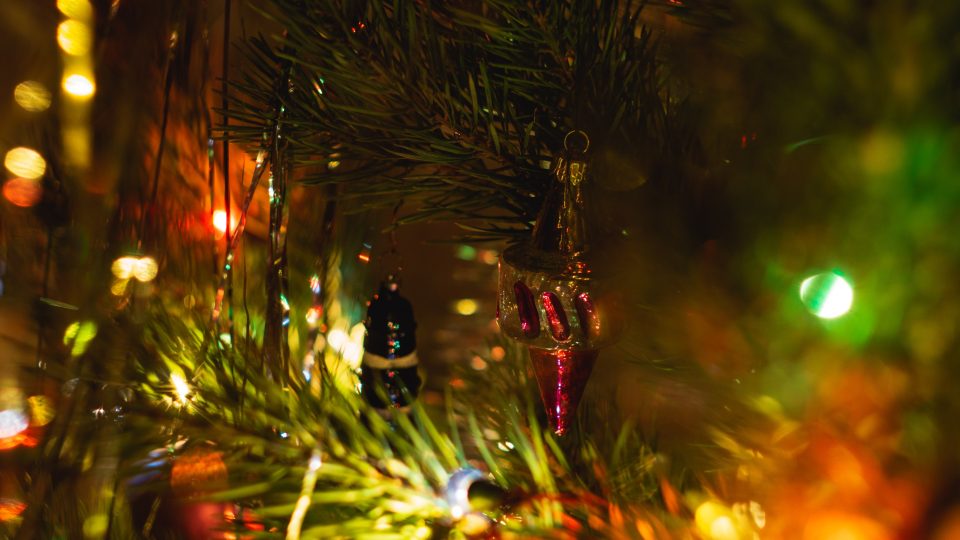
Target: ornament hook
{"points": [[583, 136]]}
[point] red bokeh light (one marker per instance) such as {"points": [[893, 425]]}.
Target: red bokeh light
{"points": [[22, 192]]}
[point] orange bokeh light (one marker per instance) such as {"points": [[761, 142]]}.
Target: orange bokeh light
{"points": [[11, 509], [22, 192]]}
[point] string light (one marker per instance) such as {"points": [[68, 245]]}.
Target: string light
{"points": [[76, 9], [22, 192], [25, 162], [78, 85], [220, 221], [142, 269], [32, 96], [122, 268], [145, 270], [181, 386], [466, 306], [12, 423], [74, 37], [827, 295]]}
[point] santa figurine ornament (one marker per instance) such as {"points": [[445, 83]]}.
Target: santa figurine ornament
{"points": [[388, 372]]}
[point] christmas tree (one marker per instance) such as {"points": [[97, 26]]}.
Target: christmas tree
{"points": [[479, 269]]}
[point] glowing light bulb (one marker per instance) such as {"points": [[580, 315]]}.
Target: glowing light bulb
{"points": [[79, 86], [337, 338], [12, 422], [181, 386], [145, 269], [22, 192], [25, 162], [715, 521], [827, 295], [76, 9], [220, 220], [74, 37], [32, 96], [466, 306], [122, 268]]}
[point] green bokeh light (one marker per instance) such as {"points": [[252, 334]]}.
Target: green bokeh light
{"points": [[827, 295], [466, 253]]}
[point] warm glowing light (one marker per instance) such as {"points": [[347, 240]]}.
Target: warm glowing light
{"points": [[827, 295], [42, 410], [313, 315], [77, 9], [119, 287], [32, 96], [12, 423], [352, 354], [25, 162], [199, 469], [11, 509], [497, 353], [466, 306], [220, 221], [74, 37], [181, 386], [716, 522], [357, 332], [145, 269], [122, 268], [478, 363], [78, 86], [22, 192], [337, 339]]}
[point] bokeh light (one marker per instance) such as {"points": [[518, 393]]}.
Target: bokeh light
{"points": [[74, 37], [22, 192], [466, 306], [827, 295], [181, 386], [12, 423], [220, 221], [11, 509], [42, 410], [25, 162], [78, 336], [78, 85], [122, 268], [199, 469], [77, 9], [32, 96], [145, 269]]}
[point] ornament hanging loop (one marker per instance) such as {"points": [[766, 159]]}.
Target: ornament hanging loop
{"points": [[573, 136]]}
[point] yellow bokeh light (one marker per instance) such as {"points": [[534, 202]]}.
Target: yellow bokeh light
{"points": [[119, 287], [145, 269], [32, 96], [74, 37], [123, 267], [77, 9], [466, 306], [78, 86], [181, 386], [25, 163], [42, 410]]}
